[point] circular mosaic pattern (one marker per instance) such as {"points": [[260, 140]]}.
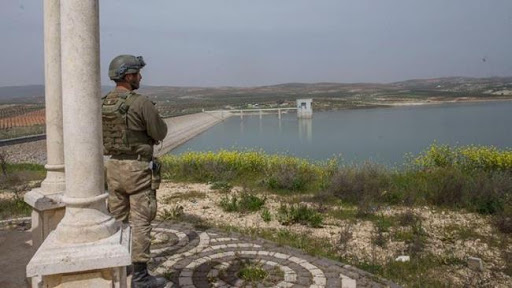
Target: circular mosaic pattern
{"points": [[211, 259]]}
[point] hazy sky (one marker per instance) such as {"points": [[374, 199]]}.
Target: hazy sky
{"points": [[260, 42]]}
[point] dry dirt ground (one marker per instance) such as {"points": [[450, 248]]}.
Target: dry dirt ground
{"points": [[15, 251], [449, 235]]}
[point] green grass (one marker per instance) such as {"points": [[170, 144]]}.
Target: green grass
{"points": [[14, 208], [21, 177], [16, 179]]}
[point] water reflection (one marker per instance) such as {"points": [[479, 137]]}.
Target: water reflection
{"points": [[306, 129]]}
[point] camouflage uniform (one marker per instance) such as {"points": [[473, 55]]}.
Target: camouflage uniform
{"points": [[131, 182]]}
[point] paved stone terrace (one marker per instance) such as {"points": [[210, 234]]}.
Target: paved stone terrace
{"points": [[213, 258], [191, 257]]}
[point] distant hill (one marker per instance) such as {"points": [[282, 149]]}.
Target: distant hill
{"points": [[214, 97], [22, 94], [29, 94]]}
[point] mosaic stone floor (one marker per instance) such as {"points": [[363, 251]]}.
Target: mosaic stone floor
{"points": [[211, 258]]}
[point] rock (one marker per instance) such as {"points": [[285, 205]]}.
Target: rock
{"points": [[403, 258], [475, 264]]}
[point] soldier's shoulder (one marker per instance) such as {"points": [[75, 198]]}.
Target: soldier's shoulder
{"points": [[110, 94], [141, 102], [139, 97]]}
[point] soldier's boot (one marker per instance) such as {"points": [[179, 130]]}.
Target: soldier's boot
{"points": [[142, 279], [129, 270]]}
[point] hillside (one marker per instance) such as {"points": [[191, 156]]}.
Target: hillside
{"points": [[174, 100], [28, 94]]}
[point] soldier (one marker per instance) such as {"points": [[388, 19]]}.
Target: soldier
{"points": [[131, 126]]}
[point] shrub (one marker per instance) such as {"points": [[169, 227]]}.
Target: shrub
{"points": [[360, 183], [379, 238], [475, 178], [407, 218], [279, 171], [345, 236], [417, 243], [447, 188], [469, 158], [246, 203], [489, 191], [381, 227], [289, 173], [250, 202], [223, 186], [299, 214], [503, 220], [229, 204]]}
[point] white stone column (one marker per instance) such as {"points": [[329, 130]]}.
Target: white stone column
{"points": [[85, 193], [48, 209], [88, 248]]}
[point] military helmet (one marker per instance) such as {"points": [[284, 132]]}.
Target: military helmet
{"points": [[124, 64]]}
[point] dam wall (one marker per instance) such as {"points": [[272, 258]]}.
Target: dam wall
{"points": [[183, 128]]}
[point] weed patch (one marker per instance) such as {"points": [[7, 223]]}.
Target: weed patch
{"points": [[408, 218], [345, 236], [419, 272], [300, 213], [266, 215], [173, 213], [243, 203], [252, 272]]}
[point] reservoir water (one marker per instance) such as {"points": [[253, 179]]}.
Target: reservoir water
{"points": [[382, 135]]}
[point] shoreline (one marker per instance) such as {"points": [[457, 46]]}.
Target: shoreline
{"points": [[461, 100], [375, 105]]}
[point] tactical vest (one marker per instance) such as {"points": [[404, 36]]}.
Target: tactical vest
{"points": [[117, 138]]}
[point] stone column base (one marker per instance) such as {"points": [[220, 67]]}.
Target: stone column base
{"points": [[47, 211], [95, 264], [89, 279]]}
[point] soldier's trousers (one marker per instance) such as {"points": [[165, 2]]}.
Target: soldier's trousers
{"points": [[132, 200]]}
